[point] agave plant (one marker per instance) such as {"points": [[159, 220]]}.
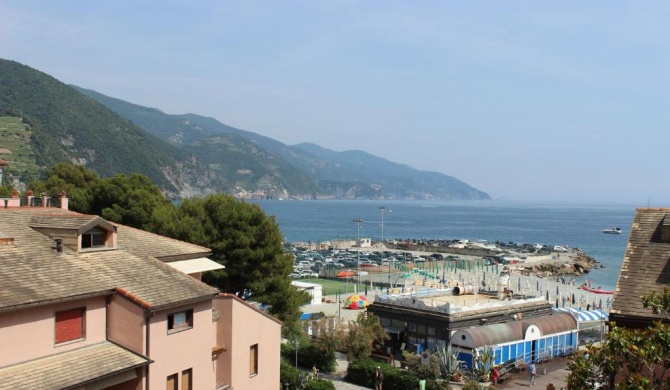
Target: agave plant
{"points": [[483, 364], [449, 363]]}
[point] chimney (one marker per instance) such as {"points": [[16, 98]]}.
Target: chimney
{"points": [[29, 198], [64, 201], [59, 245], [665, 230]]}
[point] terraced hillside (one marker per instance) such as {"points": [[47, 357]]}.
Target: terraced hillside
{"points": [[15, 149]]}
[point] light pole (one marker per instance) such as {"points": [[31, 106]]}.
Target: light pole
{"points": [[383, 209], [296, 353], [358, 223]]}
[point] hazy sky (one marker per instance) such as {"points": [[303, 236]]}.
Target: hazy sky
{"points": [[551, 100]]}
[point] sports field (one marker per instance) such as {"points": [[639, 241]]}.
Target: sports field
{"points": [[331, 287]]}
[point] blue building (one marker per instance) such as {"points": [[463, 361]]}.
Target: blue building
{"points": [[520, 341]]}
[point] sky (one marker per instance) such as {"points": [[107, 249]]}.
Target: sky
{"points": [[541, 101]]}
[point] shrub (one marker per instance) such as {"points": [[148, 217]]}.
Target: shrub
{"points": [[288, 373], [320, 384], [308, 355], [361, 372]]}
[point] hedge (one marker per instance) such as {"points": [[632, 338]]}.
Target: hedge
{"points": [[362, 373], [320, 384]]}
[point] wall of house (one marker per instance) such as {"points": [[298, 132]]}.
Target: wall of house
{"points": [[30, 333], [126, 324], [240, 327], [189, 348]]}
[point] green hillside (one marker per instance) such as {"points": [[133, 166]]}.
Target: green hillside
{"points": [[15, 149], [68, 126], [230, 153]]}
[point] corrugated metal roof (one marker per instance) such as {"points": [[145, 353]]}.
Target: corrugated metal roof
{"points": [[512, 331]]}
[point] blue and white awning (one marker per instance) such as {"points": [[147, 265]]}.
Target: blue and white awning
{"points": [[585, 315]]}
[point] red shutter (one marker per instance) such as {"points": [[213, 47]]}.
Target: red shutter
{"points": [[69, 325]]}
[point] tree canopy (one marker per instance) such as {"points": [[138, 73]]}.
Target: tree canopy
{"points": [[246, 241], [629, 358]]}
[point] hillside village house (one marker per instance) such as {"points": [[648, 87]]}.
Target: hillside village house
{"points": [[89, 304]]}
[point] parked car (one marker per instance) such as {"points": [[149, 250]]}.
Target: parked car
{"points": [[296, 275], [310, 274]]}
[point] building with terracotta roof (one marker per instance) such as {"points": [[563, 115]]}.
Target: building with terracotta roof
{"points": [[645, 268], [90, 304]]}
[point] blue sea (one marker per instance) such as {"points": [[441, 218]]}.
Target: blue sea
{"points": [[574, 225]]}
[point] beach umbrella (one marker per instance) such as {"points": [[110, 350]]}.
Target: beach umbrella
{"points": [[573, 298], [557, 302], [548, 297], [519, 285], [538, 286], [600, 306], [557, 291]]}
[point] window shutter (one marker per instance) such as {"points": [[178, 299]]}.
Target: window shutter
{"points": [[69, 325]]}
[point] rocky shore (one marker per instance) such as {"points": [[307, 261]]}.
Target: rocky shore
{"points": [[576, 263]]}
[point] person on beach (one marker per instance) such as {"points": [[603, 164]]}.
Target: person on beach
{"points": [[532, 371]]}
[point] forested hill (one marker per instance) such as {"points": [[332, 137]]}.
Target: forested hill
{"points": [[43, 122], [64, 125], [351, 174]]}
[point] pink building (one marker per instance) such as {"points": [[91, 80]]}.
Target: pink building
{"points": [[88, 304]]}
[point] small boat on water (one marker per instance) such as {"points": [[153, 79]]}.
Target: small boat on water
{"points": [[597, 290], [614, 230]]}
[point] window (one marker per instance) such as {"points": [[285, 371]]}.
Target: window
{"points": [[172, 382], [186, 379], [93, 237], [180, 321], [70, 325], [253, 360]]}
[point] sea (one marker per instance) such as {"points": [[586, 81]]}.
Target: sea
{"points": [[568, 224]]}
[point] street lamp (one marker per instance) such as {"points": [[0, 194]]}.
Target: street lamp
{"points": [[296, 342], [383, 209], [358, 223]]}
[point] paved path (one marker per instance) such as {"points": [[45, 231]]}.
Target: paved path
{"points": [[555, 372]]}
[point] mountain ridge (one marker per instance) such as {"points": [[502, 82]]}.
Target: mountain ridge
{"points": [[348, 174], [189, 154]]}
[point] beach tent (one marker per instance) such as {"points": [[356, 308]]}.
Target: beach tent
{"points": [[355, 302]]}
